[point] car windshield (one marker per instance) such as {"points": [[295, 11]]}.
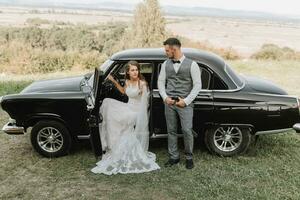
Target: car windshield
{"points": [[103, 68], [105, 65], [236, 79]]}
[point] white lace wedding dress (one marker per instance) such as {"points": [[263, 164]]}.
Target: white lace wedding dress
{"points": [[125, 135]]}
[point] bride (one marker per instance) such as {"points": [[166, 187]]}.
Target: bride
{"points": [[124, 130]]}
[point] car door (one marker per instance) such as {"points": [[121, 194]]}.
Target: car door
{"points": [[94, 102], [203, 104], [233, 106]]}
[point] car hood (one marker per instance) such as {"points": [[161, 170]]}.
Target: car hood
{"points": [[70, 84], [264, 86]]}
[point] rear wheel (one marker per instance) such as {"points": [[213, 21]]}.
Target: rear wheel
{"points": [[50, 138], [227, 140]]}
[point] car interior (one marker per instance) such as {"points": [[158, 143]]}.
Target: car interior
{"points": [[210, 80]]}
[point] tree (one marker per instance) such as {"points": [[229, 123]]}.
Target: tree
{"points": [[148, 27]]}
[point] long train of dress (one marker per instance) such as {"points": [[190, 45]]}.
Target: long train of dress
{"points": [[125, 135]]}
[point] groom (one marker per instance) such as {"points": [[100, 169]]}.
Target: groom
{"points": [[179, 82]]}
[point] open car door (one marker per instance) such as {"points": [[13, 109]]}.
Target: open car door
{"points": [[94, 117]]}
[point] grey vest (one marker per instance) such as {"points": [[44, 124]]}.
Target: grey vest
{"points": [[180, 83]]}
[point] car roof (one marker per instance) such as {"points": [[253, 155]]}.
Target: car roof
{"points": [[159, 54], [213, 61]]}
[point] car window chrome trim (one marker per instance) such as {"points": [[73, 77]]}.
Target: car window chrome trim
{"points": [[229, 90], [225, 69], [210, 69], [205, 90], [106, 65], [1, 98], [298, 104], [275, 95]]}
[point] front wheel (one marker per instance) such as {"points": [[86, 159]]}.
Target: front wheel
{"points": [[50, 138], [227, 140]]}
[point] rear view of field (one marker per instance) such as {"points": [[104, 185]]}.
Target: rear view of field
{"points": [[244, 35]]}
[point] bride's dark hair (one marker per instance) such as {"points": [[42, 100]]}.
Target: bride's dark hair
{"points": [[134, 63]]}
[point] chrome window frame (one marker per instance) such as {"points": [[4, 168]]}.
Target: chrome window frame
{"points": [[229, 90], [225, 69]]}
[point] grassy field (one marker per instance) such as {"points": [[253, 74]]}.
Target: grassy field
{"points": [[286, 73], [269, 170]]}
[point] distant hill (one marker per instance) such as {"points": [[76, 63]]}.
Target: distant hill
{"points": [[170, 10]]}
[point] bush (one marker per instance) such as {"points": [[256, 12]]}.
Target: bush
{"points": [[37, 21], [33, 49], [45, 62], [226, 53], [274, 52], [92, 59], [73, 38]]}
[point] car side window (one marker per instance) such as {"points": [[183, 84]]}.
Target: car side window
{"points": [[155, 76], [146, 71], [205, 76], [218, 83], [210, 80]]}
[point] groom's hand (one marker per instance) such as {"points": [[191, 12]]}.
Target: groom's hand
{"points": [[170, 101], [180, 103]]}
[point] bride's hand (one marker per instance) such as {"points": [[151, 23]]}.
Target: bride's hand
{"points": [[111, 78]]}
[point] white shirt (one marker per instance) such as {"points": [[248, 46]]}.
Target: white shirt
{"points": [[196, 78]]}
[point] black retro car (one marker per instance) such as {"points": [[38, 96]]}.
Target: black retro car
{"points": [[228, 111]]}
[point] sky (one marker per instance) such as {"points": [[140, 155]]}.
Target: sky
{"points": [[283, 7]]}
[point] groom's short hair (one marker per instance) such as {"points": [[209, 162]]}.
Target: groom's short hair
{"points": [[172, 42]]}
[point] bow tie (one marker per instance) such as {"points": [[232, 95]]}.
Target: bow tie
{"points": [[176, 61]]}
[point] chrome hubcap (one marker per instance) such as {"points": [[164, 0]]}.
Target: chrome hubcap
{"points": [[50, 139], [228, 139]]}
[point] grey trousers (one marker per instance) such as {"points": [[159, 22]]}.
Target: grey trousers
{"points": [[186, 120]]}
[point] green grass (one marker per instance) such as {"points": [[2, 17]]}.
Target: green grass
{"points": [[285, 73], [269, 170]]}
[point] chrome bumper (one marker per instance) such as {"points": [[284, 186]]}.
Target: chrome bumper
{"points": [[12, 129], [296, 127]]}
